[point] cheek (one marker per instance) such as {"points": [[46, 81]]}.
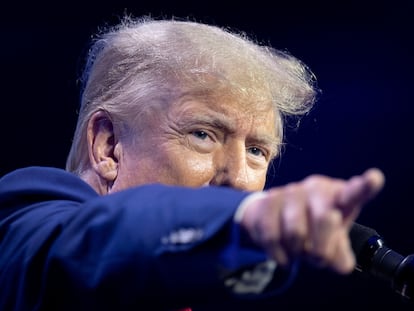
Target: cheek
{"points": [[256, 180], [193, 170], [175, 165]]}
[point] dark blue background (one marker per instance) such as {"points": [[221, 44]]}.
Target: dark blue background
{"points": [[360, 51]]}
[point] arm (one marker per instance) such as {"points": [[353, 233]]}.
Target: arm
{"points": [[120, 250]]}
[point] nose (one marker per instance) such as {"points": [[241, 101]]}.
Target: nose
{"points": [[232, 169]]}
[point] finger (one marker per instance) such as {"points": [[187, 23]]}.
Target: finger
{"points": [[359, 190], [344, 260], [261, 219], [294, 219], [271, 228], [376, 179], [321, 246], [362, 187], [278, 254]]}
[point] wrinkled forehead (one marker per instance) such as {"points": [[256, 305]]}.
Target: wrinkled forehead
{"points": [[220, 86]]}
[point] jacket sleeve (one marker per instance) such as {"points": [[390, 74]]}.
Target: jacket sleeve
{"points": [[122, 251]]}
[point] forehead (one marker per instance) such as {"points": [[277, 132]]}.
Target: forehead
{"points": [[232, 106]]}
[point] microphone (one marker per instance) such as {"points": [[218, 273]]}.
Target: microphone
{"points": [[375, 258]]}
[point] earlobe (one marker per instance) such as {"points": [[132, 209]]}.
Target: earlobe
{"points": [[101, 146], [108, 170]]}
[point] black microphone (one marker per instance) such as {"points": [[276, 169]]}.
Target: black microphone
{"points": [[378, 260]]}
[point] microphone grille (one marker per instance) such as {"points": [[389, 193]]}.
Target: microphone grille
{"points": [[360, 235]]}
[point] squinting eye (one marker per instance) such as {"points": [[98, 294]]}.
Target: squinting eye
{"points": [[256, 151], [201, 141], [200, 134]]}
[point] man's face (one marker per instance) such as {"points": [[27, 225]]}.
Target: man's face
{"points": [[198, 143]]}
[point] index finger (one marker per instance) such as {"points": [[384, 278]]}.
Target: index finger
{"points": [[359, 190]]}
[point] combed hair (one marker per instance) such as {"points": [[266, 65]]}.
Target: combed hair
{"points": [[143, 64]]}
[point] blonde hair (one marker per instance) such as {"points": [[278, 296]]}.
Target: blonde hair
{"points": [[144, 63]]}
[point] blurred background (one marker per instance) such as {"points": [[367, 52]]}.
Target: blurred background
{"points": [[360, 51]]}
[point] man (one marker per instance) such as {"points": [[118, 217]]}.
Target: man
{"points": [[162, 200]]}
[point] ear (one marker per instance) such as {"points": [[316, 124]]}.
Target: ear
{"points": [[101, 146]]}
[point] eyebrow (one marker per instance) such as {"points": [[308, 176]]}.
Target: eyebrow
{"points": [[216, 121]]}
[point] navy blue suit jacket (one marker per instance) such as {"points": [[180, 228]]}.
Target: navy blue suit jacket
{"points": [[64, 247]]}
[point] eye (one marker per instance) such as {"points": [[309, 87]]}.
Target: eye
{"points": [[200, 134], [201, 141], [256, 152]]}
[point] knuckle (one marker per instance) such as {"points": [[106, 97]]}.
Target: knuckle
{"points": [[314, 181], [266, 233], [331, 219], [292, 188]]}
